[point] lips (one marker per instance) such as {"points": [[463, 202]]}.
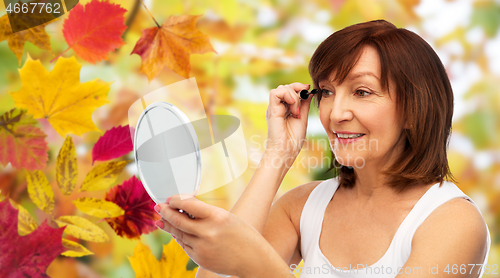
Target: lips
{"points": [[348, 140]]}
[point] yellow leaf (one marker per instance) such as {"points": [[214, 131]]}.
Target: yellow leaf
{"points": [[103, 175], [98, 207], [66, 167], [172, 263], [26, 224], [143, 263], [35, 35], [75, 249], [82, 228], [59, 96], [40, 191], [174, 260]]}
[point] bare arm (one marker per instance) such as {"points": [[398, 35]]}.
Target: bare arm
{"points": [[255, 202]]}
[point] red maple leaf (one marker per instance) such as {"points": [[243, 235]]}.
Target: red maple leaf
{"points": [[94, 31], [114, 143], [140, 216], [30, 255]]}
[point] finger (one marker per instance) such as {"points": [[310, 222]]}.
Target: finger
{"points": [[300, 86], [177, 219], [280, 94], [294, 108], [192, 205], [305, 105], [180, 235]]}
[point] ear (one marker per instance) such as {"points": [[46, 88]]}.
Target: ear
{"points": [[407, 125]]}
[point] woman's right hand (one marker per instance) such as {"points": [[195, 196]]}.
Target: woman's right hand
{"points": [[286, 118]]}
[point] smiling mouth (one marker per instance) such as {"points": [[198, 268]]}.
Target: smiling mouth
{"points": [[348, 136]]}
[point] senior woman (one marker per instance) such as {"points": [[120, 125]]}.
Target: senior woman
{"points": [[386, 104]]}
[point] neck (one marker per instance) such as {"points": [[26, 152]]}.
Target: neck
{"points": [[371, 185]]}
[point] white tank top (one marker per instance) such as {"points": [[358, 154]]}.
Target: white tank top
{"points": [[311, 221]]}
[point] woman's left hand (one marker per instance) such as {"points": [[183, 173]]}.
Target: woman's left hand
{"points": [[216, 239]]}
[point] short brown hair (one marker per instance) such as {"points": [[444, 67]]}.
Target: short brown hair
{"points": [[424, 97]]}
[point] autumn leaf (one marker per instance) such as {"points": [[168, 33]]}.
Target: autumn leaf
{"points": [[82, 228], [59, 96], [66, 167], [30, 255], [35, 35], [98, 208], [114, 143], [40, 191], [74, 249], [101, 33], [172, 264], [26, 222], [170, 45], [143, 263], [26, 225], [103, 175], [139, 217], [21, 142]]}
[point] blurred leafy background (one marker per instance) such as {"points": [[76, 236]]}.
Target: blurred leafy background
{"points": [[261, 44]]}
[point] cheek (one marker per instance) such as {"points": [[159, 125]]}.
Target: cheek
{"points": [[324, 117], [384, 131]]}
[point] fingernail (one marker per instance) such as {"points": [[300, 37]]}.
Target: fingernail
{"points": [[160, 224], [298, 111], [173, 236], [168, 200], [157, 208]]}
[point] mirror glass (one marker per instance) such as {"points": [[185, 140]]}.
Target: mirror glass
{"points": [[167, 152]]}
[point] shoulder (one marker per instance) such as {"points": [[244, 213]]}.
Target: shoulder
{"points": [[457, 216], [298, 196], [293, 201], [454, 233]]}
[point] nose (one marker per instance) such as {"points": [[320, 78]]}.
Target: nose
{"points": [[341, 109]]}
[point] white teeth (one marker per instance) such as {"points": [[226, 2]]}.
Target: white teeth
{"points": [[349, 136]]}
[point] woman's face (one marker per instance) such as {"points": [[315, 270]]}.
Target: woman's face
{"points": [[359, 106]]}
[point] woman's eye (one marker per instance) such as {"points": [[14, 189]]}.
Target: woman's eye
{"points": [[326, 93], [362, 93]]}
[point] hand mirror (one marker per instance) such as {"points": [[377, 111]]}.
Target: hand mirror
{"points": [[167, 153]]}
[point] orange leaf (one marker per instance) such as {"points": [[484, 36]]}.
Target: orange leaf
{"points": [[21, 142], [171, 46], [96, 30], [35, 35]]}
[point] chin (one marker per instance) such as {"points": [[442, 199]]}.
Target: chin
{"points": [[350, 160]]}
